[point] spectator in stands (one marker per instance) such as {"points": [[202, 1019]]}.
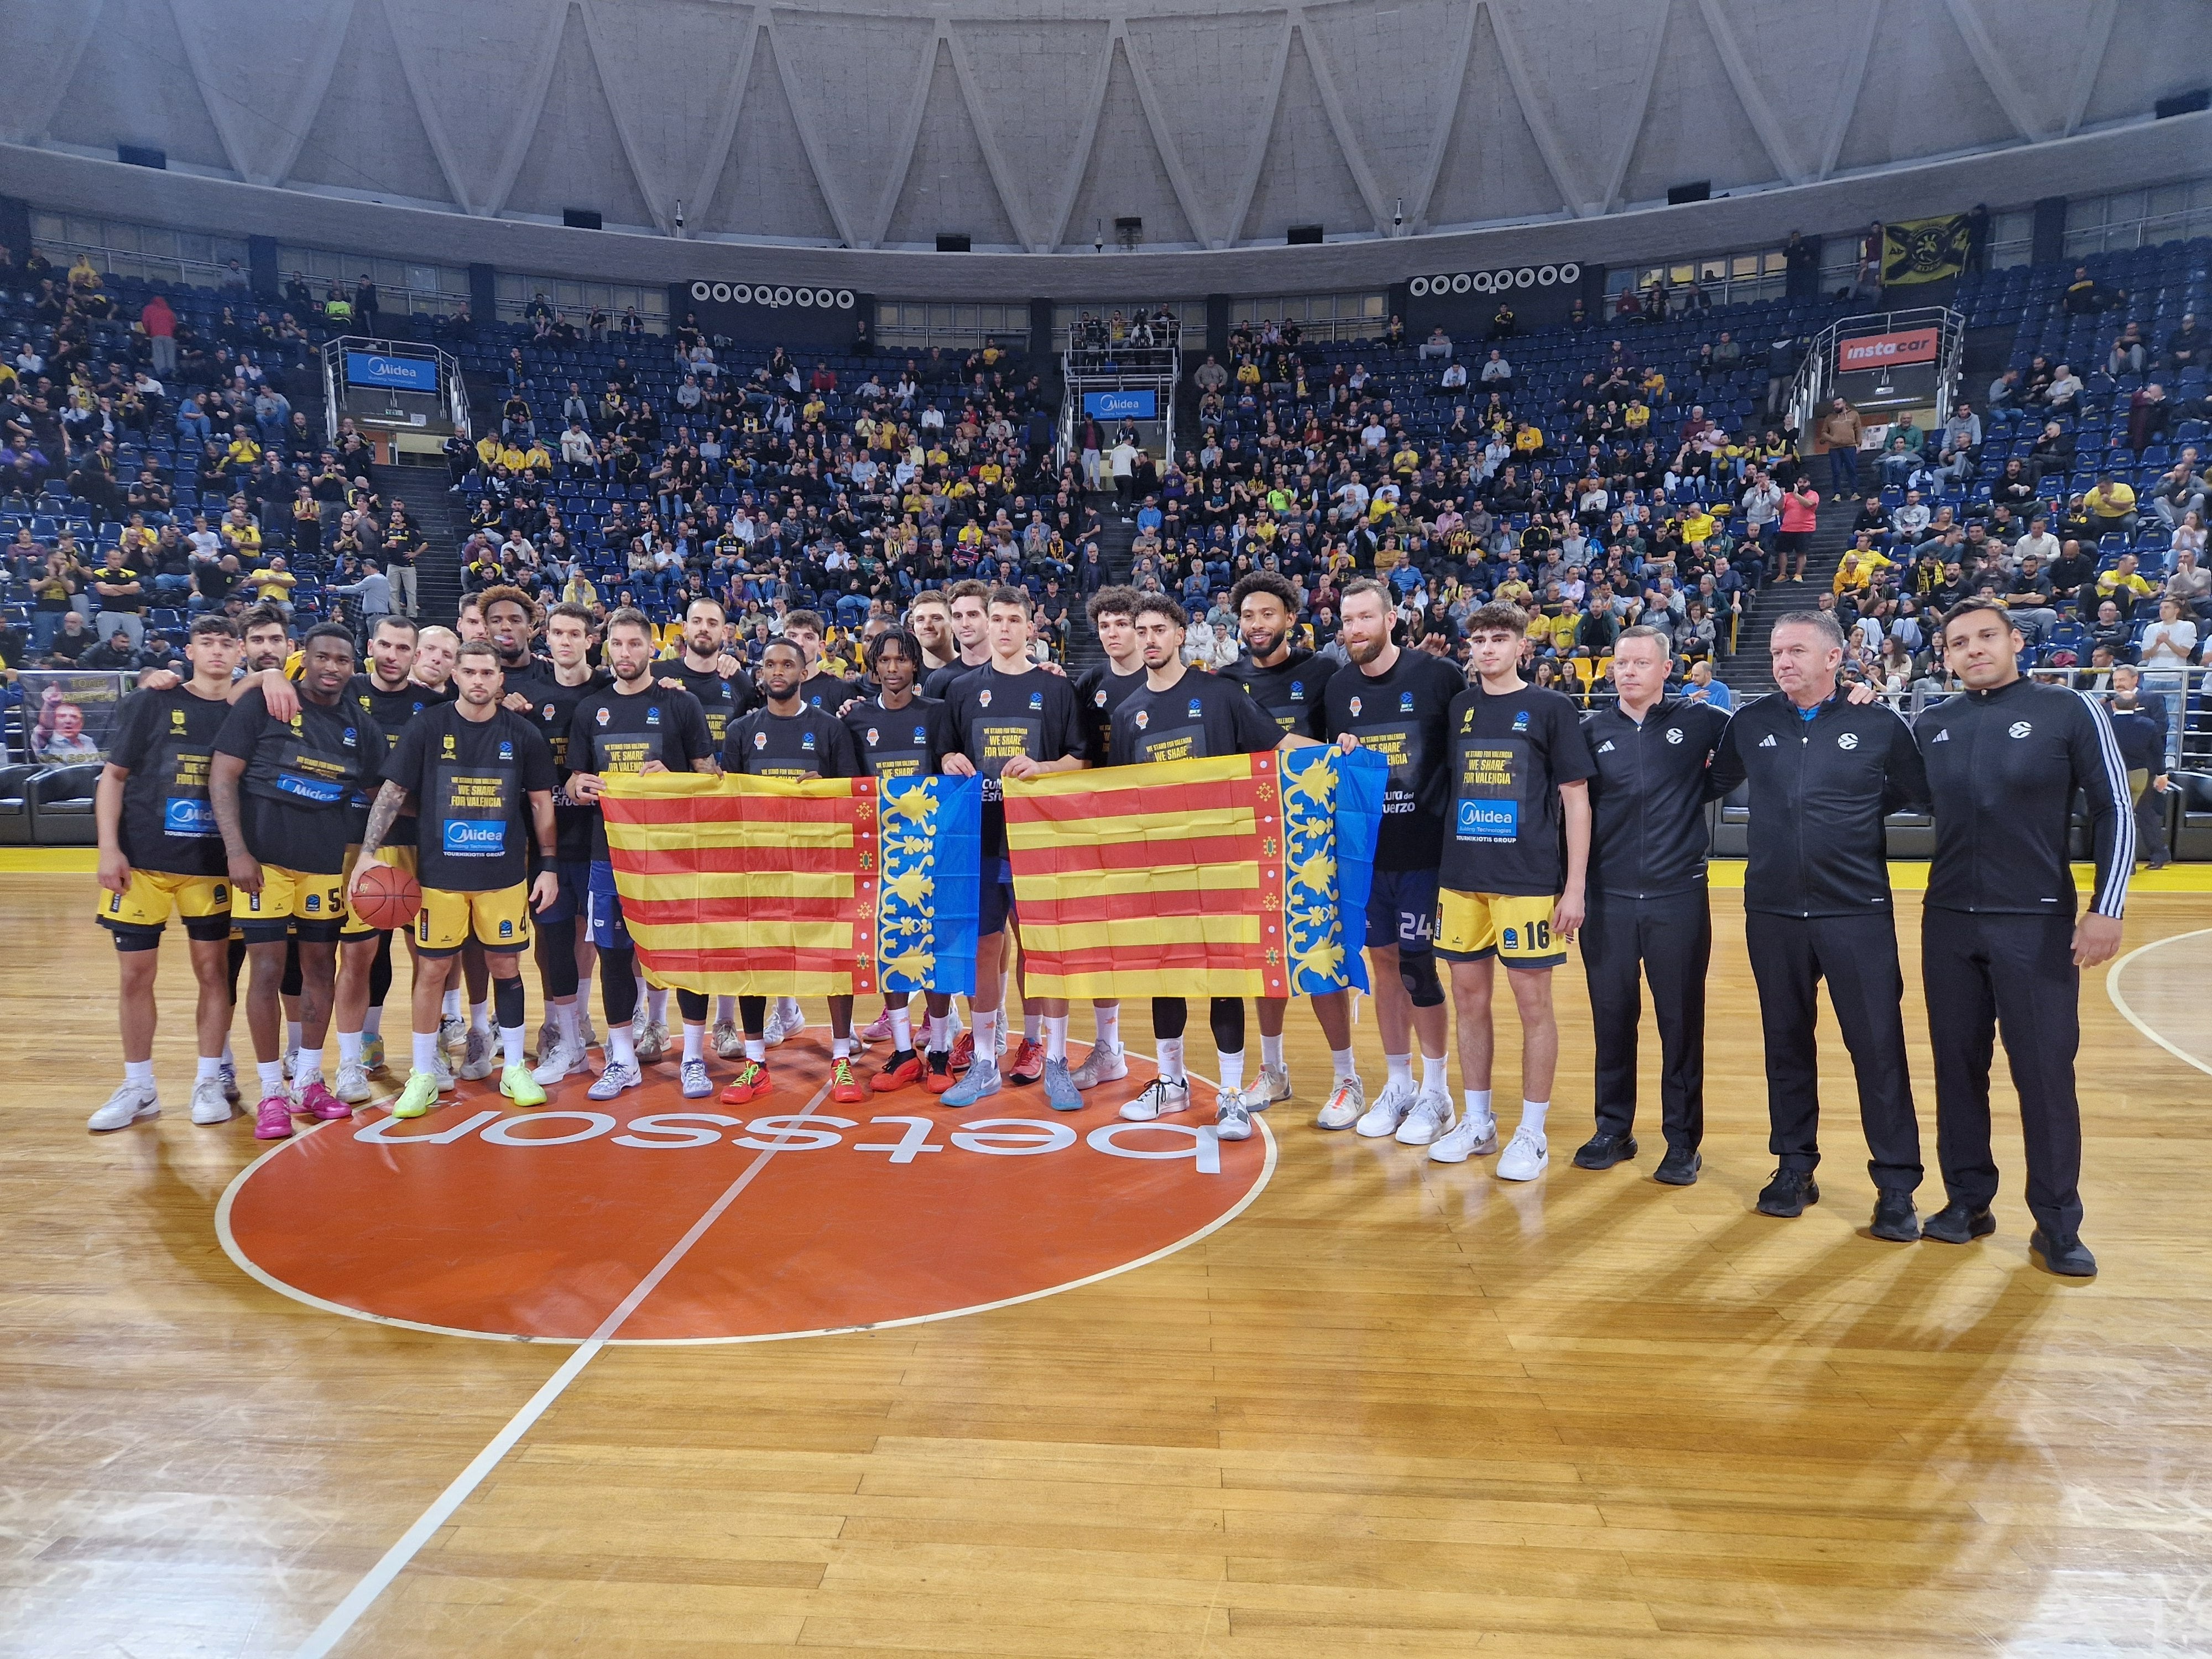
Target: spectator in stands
{"points": [[2180, 491], [2129, 354], [65, 644], [2065, 386], [1839, 433], [2189, 582], [2085, 296], [1436, 348], [2148, 414], [2111, 506]]}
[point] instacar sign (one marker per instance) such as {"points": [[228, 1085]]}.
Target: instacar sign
{"points": [[1870, 351]]}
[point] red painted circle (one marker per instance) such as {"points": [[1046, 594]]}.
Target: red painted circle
{"points": [[539, 1223]]}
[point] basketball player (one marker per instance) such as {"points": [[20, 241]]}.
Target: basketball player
{"points": [[1178, 715], [967, 603], [930, 619], [1290, 682], [160, 850], [470, 619], [1099, 692], [788, 738], [820, 689], [1507, 890], [1398, 703], [283, 789], [1010, 720], [481, 778], [633, 725], [898, 734], [2001, 950]]}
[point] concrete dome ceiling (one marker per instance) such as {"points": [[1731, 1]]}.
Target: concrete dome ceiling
{"points": [[1035, 126]]}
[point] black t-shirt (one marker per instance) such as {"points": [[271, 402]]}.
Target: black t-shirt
{"points": [[1404, 716], [938, 682], [826, 691], [996, 716], [1098, 692], [1292, 691], [767, 744], [552, 708], [901, 743], [722, 700], [296, 802], [1510, 756], [1199, 717], [472, 780], [165, 740], [390, 712], [615, 731]]}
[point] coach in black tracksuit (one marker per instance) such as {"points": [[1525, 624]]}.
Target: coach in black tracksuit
{"points": [[1999, 948], [1648, 909], [1824, 774]]}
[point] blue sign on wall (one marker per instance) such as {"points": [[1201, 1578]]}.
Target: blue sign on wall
{"points": [[399, 374], [1113, 405]]}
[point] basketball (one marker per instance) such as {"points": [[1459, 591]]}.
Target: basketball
{"points": [[387, 897]]}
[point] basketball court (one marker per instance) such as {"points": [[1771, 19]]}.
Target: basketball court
{"points": [[649, 1379]]}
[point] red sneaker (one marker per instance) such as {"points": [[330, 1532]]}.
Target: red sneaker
{"points": [[963, 1054], [752, 1082], [272, 1120], [906, 1071], [1028, 1063], [316, 1100], [937, 1082], [844, 1087]]}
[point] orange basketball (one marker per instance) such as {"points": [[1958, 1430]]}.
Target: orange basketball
{"points": [[387, 898]]}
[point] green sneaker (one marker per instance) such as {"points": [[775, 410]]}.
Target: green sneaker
{"points": [[420, 1094], [519, 1086]]}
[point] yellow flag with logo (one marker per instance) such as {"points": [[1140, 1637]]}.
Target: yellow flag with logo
{"points": [[1923, 250]]}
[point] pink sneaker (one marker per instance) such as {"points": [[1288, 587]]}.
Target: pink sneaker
{"points": [[880, 1031], [273, 1122], [316, 1100]]}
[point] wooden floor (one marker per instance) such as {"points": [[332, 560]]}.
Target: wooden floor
{"points": [[1393, 1408]]}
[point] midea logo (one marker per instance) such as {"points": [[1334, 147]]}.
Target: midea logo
{"points": [[762, 294], [1495, 282]]}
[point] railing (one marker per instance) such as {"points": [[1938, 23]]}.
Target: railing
{"points": [[397, 368], [1083, 371], [2183, 693], [1816, 375]]}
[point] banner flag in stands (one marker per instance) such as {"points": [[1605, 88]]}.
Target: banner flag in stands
{"points": [[1923, 250], [1245, 876], [739, 886]]}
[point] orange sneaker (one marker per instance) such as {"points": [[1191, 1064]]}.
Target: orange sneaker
{"points": [[963, 1054], [934, 1081], [750, 1083], [844, 1087], [1028, 1063], [908, 1071]]}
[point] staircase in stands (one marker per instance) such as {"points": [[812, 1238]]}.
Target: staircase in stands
{"points": [[440, 518], [1114, 539], [1748, 673]]}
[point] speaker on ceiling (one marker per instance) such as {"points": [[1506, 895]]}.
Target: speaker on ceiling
{"points": [[580, 218], [1700, 191], [1304, 235], [2184, 103], [140, 155], [952, 241]]}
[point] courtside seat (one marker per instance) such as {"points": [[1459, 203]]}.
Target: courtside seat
{"points": [[1732, 827], [15, 802], [1910, 834], [61, 806], [2191, 828]]}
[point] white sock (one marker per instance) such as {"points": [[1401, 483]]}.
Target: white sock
{"points": [[695, 1040], [425, 1051], [1055, 1036], [373, 1021], [621, 1052], [986, 1039], [725, 1010], [209, 1066], [139, 1073], [1271, 1051], [308, 1068], [934, 1035], [272, 1077], [451, 1007], [1230, 1069], [1532, 1114], [1109, 1025], [568, 1019], [348, 1048], [1433, 1080], [510, 1045], [656, 1006], [583, 1000], [1032, 1028], [480, 1017], [757, 1050], [228, 1058], [1171, 1061], [291, 1034], [1346, 1063], [1478, 1104], [1401, 1069], [902, 1030]]}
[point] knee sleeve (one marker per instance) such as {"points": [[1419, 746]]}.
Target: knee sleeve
{"points": [[556, 950], [506, 1001], [1226, 1016], [752, 1015], [692, 1006], [619, 983], [291, 986], [1170, 1016], [237, 962], [1418, 974], [380, 972]]}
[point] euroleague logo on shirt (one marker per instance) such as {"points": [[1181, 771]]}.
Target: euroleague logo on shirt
{"points": [[2019, 729], [1849, 740], [1673, 734]]}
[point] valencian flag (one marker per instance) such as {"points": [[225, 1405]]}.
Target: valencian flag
{"points": [[1923, 250], [1245, 876], [742, 886]]}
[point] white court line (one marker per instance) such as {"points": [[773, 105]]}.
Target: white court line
{"points": [[342, 1618], [2113, 990]]}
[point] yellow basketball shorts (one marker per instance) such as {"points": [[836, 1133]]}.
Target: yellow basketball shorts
{"points": [[141, 911], [312, 905], [1517, 931], [498, 921]]}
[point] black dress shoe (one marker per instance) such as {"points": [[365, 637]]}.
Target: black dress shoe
{"points": [[1603, 1151], [1789, 1193], [1958, 1222], [1893, 1219], [2063, 1253], [1679, 1168]]}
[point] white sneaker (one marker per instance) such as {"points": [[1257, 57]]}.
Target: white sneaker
{"points": [[1428, 1120], [130, 1104], [653, 1045], [589, 1036], [1526, 1157], [453, 1039], [444, 1074], [1471, 1137], [209, 1103], [613, 1080], [1347, 1099], [352, 1086], [1273, 1084], [230, 1082], [773, 1032], [1230, 1120], [729, 1041], [291, 1064], [548, 1035], [477, 1057], [1160, 1099], [794, 1017], [1105, 1063], [555, 1062], [1388, 1110]]}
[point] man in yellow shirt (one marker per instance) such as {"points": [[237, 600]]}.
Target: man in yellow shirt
{"points": [[243, 450], [488, 451], [1697, 527], [240, 535], [2112, 505], [273, 584], [2122, 579], [1406, 462]]}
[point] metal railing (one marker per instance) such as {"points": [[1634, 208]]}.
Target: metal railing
{"points": [[1157, 370], [447, 397], [1816, 375]]}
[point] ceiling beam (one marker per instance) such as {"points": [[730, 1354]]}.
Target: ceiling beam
{"points": [[1771, 133], [903, 143], [1347, 141], [1573, 196], [1463, 55], [1179, 179], [841, 212], [307, 98], [728, 108], [2019, 108], [995, 157], [535, 89], [1071, 185], [1641, 100], [1849, 85], [1255, 163]]}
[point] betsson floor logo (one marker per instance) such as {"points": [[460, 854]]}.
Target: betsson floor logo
{"points": [[482, 1220]]}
